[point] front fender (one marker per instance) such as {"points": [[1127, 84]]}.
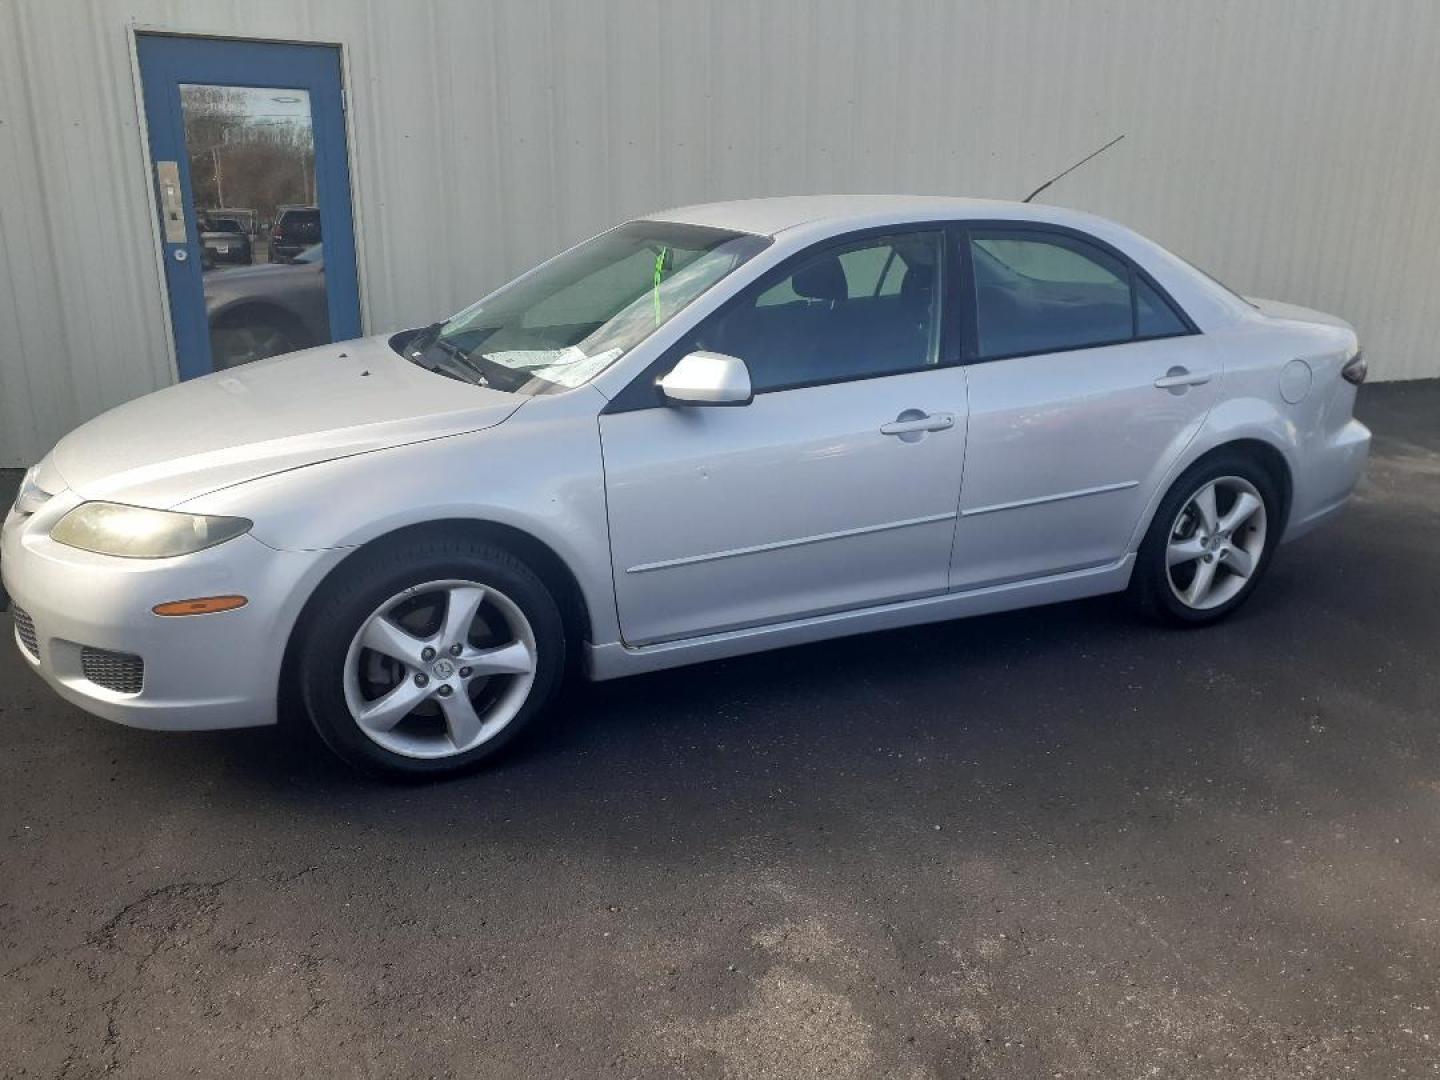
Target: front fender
{"points": [[540, 473]]}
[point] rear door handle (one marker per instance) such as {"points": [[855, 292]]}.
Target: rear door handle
{"points": [[1178, 379], [915, 422]]}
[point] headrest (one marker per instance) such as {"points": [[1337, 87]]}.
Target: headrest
{"points": [[821, 279], [918, 280]]}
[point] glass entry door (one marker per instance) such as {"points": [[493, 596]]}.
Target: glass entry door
{"points": [[252, 189]]}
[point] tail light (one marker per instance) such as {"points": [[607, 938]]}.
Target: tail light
{"points": [[1355, 369]]}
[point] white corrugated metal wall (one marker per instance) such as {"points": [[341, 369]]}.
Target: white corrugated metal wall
{"points": [[1290, 146]]}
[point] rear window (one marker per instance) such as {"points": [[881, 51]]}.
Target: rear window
{"points": [[300, 217]]}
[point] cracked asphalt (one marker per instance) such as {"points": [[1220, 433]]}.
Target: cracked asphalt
{"points": [[1049, 843]]}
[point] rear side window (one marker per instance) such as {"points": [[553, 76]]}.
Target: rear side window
{"points": [[1153, 316], [861, 310], [1039, 292]]}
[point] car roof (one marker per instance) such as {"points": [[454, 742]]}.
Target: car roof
{"points": [[771, 216]]}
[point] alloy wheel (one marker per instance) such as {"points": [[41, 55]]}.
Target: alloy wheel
{"points": [[440, 668], [1216, 543]]}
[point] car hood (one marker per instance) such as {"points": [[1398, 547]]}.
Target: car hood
{"points": [[267, 417]]}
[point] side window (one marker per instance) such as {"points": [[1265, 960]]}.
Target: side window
{"points": [[1038, 292], [855, 311], [1153, 316]]}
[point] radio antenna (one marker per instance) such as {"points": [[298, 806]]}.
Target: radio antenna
{"points": [[1072, 168]]}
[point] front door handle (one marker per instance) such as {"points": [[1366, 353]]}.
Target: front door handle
{"points": [[1178, 379], [915, 422]]}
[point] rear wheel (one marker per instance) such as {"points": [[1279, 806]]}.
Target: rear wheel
{"points": [[427, 658], [1210, 541]]}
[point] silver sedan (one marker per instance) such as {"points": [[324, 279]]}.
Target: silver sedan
{"points": [[716, 430]]}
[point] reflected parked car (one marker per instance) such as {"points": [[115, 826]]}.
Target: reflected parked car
{"points": [[295, 229], [265, 310], [224, 240]]}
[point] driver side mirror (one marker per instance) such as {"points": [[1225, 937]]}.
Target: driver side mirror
{"points": [[707, 378]]}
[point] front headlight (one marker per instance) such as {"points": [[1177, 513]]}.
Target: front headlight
{"points": [[133, 532]]}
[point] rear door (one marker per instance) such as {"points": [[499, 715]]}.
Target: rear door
{"points": [[1086, 383], [835, 488]]}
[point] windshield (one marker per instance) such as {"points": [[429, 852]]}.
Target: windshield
{"points": [[313, 254], [563, 323]]}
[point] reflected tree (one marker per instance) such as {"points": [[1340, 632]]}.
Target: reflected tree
{"points": [[244, 156]]}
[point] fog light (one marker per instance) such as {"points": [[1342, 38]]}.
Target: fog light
{"points": [[203, 605]]}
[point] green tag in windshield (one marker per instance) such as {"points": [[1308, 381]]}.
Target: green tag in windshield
{"points": [[659, 270]]}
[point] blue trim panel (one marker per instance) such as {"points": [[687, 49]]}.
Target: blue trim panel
{"points": [[168, 61]]}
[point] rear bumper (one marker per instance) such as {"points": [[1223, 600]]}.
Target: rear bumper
{"points": [[197, 672], [1332, 471]]}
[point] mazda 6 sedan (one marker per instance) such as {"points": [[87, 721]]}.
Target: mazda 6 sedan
{"points": [[716, 430]]}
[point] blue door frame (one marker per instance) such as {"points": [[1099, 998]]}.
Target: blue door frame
{"points": [[167, 62]]}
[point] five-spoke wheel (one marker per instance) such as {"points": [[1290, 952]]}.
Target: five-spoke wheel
{"points": [[1209, 541], [439, 667], [427, 656], [1216, 542]]}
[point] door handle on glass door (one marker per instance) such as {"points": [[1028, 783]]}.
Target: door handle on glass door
{"points": [[913, 421], [1178, 379]]}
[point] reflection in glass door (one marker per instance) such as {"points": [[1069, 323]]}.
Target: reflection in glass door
{"points": [[252, 177], [253, 192]]}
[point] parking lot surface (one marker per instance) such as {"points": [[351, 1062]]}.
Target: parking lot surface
{"points": [[1058, 842]]}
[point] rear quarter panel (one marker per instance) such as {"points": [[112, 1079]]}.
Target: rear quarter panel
{"points": [[1300, 418]]}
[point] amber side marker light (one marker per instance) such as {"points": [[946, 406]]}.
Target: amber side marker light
{"points": [[203, 605]]}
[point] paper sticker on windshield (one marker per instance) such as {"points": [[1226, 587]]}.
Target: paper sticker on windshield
{"points": [[569, 367]]}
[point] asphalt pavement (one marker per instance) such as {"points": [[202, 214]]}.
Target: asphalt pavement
{"points": [[1059, 842]]}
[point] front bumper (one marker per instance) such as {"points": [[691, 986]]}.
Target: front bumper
{"points": [[200, 672]]}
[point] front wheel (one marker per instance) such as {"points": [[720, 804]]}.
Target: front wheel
{"points": [[427, 658], [1210, 542]]}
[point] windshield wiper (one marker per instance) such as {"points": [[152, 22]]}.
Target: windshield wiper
{"points": [[463, 358], [422, 341], [452, 355]]}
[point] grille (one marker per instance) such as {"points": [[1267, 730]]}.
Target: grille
{"points": [[122, 672], [25, 631]]}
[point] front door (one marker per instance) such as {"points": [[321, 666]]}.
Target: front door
{"points": [[835, 488], [252, 188]]}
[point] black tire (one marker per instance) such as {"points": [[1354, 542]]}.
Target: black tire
{"points": [[1150, 584], [364, 583]]}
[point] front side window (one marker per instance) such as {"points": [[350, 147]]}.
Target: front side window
{"points": [[1037, 292], [563, 323], [859, 310]]}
